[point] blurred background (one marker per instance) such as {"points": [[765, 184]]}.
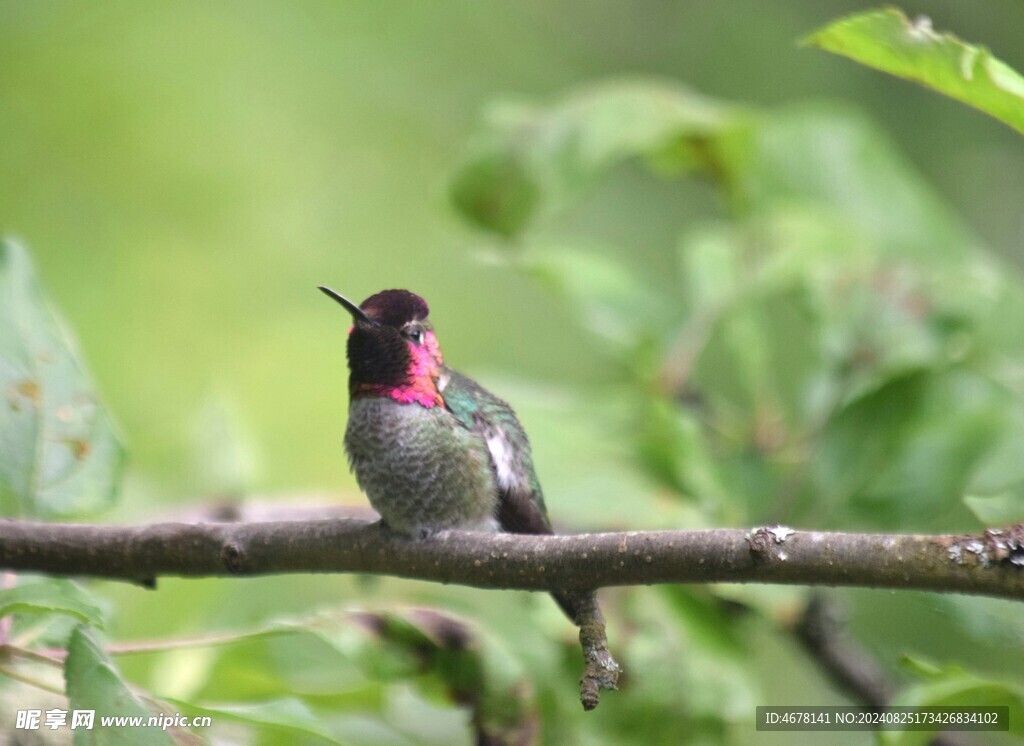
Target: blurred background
{"points": [[185, 173]]}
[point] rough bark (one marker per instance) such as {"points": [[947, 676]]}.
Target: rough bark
{"points": [[990, 563]]}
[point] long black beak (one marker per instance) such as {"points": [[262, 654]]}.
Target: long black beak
{"points": [[357, 313]]}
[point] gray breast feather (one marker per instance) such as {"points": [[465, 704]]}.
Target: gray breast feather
{"points": [[419, 467]]}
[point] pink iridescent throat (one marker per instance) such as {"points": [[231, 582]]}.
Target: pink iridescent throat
{"points": [[422, 378]]}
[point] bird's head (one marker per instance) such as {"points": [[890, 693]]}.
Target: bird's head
{"points": [[392, 350]]}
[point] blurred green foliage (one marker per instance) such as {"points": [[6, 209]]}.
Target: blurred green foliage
{"points": [[837, 349], [706, 313]]}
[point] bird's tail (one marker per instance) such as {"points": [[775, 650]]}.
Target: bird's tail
{"points": [[571, 603]]}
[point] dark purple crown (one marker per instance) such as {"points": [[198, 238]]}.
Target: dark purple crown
{"points": [[395, 307]]}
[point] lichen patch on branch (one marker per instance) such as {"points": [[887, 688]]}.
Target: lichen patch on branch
{"points": [[995, 546]]}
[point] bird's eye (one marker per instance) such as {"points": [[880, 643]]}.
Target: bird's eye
{"points": [[416, 335]]}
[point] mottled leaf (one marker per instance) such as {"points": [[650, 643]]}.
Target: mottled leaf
{"points": [[59, 454]]}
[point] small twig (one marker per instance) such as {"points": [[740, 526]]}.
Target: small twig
{"points": [[822, 631], [159, 646], [142, 647], [30, 681], [9, 579], [55, 659], [823, 634]]}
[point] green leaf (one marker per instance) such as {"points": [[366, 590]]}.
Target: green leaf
{"points": [[953, 687], [834, 158], [997, 510], [283, 660], [902, 454], [888, 41], [286, 721], [675, 450], [531, 160], [495, 191], [996, 490], [60, 453], [989, 621], [94, 684], [51, 596]]}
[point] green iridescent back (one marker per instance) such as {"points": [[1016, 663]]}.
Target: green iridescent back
{"points": [[521, 506]]}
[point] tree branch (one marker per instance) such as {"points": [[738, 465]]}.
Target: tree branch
{"points": [[991, 563]]}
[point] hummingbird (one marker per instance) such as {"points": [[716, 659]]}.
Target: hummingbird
{"points": [[431, 448]]}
